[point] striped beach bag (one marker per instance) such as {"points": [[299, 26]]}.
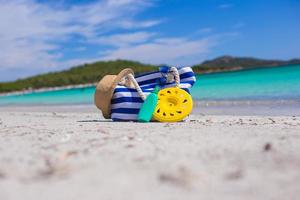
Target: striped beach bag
{"points": [[126, 101]]}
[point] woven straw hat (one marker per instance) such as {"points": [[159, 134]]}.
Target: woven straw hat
{"points": [[105, 90]]}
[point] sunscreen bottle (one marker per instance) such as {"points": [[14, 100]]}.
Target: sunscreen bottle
{"points": [[148, 107]]}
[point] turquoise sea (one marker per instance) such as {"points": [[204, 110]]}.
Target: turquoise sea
{"points": [[278, 83]]}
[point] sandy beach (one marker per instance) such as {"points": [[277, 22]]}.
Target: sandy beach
{"points": [[55, 154]]}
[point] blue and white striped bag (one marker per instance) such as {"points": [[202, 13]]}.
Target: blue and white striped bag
{"points": [[126, 102]]}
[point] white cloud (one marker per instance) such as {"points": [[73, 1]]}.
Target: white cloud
{"points": [[175, 51], [32, 36], [138, 24], [125, 39], [31, 32]]}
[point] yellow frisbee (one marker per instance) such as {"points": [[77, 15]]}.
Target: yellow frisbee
{"points": [[174, 104]]}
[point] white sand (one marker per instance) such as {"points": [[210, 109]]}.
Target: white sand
{"points": [[65, 155]]}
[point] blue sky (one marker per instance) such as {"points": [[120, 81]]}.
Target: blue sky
{"points": [[39, 36]]}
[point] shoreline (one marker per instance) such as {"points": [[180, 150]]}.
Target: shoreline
{"points": [[227, 108], [207, 72], [47, 89]]}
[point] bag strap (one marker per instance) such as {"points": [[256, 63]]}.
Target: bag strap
{"points": [[137, 87], [173, 71]]}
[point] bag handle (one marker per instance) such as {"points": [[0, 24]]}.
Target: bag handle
{"points": [[173, 71]]}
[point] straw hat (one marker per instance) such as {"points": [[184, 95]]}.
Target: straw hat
{"points": [[105, 90]]}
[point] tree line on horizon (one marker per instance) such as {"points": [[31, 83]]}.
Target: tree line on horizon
{"points": [[92, 73]]}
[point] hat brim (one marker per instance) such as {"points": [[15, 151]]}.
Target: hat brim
{"points": [[105, 90]]}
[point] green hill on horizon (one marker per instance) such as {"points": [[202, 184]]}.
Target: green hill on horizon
{"points": [[93, 72], [230, 63], [83, 74]]}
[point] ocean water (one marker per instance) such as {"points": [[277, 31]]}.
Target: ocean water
{"points": [[278, 83], [267, 84]]}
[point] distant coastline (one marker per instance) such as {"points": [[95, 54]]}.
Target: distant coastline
{"points": [[89, 74], [47, 89], [237, 69], [230, 63], [77, 86]]}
